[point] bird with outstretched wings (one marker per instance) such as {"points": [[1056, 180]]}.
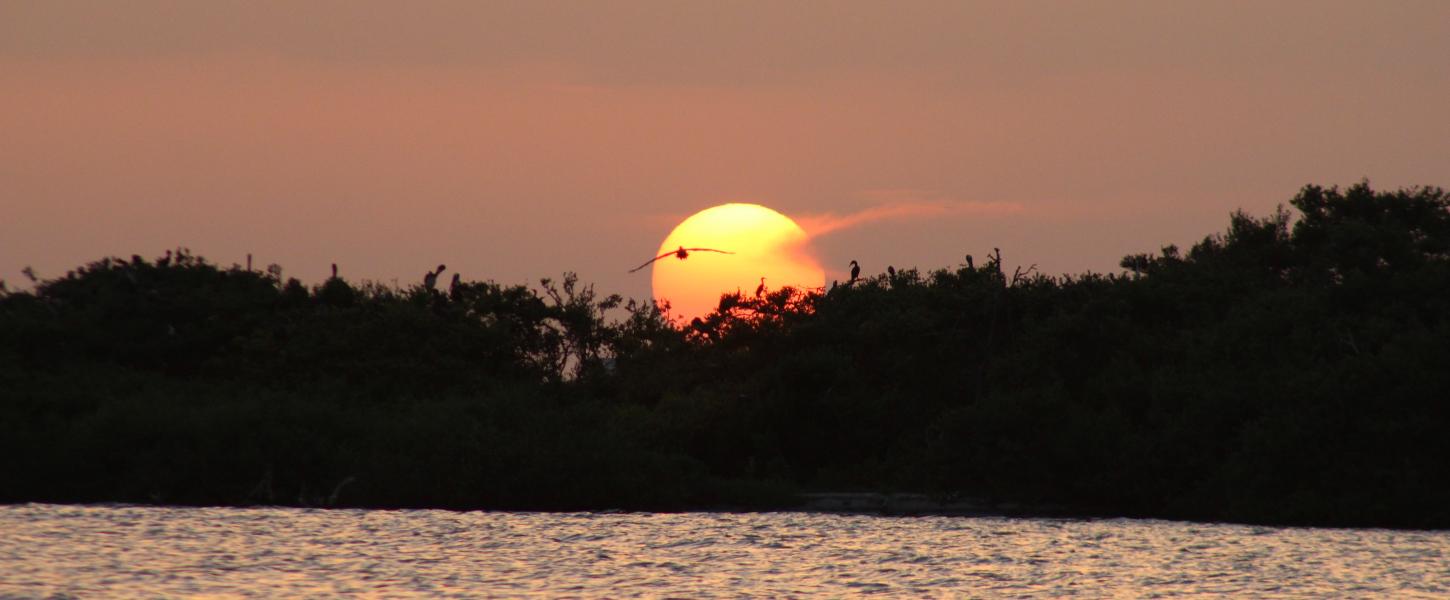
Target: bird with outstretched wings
{"points": [[682, 253]]}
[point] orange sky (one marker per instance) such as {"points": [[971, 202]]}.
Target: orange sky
{"points": [[514, 141]]}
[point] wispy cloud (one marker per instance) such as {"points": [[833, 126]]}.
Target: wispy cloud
{"points": [[901, 205]]}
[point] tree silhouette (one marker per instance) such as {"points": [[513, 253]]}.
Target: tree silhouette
{"points": [[1289, 369]]}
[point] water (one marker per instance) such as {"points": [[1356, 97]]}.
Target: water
{"points": [[92, 551]]}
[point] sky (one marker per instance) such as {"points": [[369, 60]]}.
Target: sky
{"points": [[518, 140]]}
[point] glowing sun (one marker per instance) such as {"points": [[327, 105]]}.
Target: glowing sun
{"points": [[764, 243]]}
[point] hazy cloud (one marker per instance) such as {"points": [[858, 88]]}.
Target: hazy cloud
{"points": [[901, 205]]}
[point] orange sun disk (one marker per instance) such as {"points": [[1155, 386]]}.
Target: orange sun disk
{"points": [[765, 244]]}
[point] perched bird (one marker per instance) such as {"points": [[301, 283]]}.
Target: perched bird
{"points": [[834, 284], [969, 262], [334, 267], [430, 279], [455, 288], [891, 271], [682, 253], [855, 270], [760, 289]]}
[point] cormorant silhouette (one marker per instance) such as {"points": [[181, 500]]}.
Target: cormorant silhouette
{"points": [[855, 270], [682, 253], [455, 287], [969, 262], [334, 270], [430, 279], [760, 289], [891, 271]]}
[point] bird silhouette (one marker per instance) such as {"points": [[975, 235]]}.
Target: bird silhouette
{"points": [[334, 268], [760, 289], [430, 279], [969, 262], [682, 253], [855, 270], [455, 287], [891, 271]]}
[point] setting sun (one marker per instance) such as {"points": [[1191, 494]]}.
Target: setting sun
{"points": [[764, 243]]}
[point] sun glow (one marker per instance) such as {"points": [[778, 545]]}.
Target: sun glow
{"points": [[765, 244]]}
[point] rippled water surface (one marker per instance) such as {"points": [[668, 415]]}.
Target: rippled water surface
{"points": [[87, 551]]}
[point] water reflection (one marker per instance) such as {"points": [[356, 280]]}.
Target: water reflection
{"points": [[143, 551]]}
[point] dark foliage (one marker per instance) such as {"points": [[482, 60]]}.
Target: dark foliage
{"points": [[1290, 370]]}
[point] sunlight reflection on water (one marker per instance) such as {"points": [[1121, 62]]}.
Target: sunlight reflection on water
{"points": [[92, 551]]}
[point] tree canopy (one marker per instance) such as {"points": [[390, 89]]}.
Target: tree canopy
{"points": [[1291, 369]]}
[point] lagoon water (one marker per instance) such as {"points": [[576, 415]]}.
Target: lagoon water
{"points": [[131, 551]]}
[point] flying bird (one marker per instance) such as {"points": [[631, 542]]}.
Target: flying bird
{"points": [[682, 253]]}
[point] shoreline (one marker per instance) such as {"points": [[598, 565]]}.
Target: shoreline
{"points": [[873, 504], [918, 504]]}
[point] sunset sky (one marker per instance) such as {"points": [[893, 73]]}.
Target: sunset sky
{"points": [[514, 141]]}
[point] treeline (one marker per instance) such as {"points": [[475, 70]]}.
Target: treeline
{"points": [[1293, 369]]}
